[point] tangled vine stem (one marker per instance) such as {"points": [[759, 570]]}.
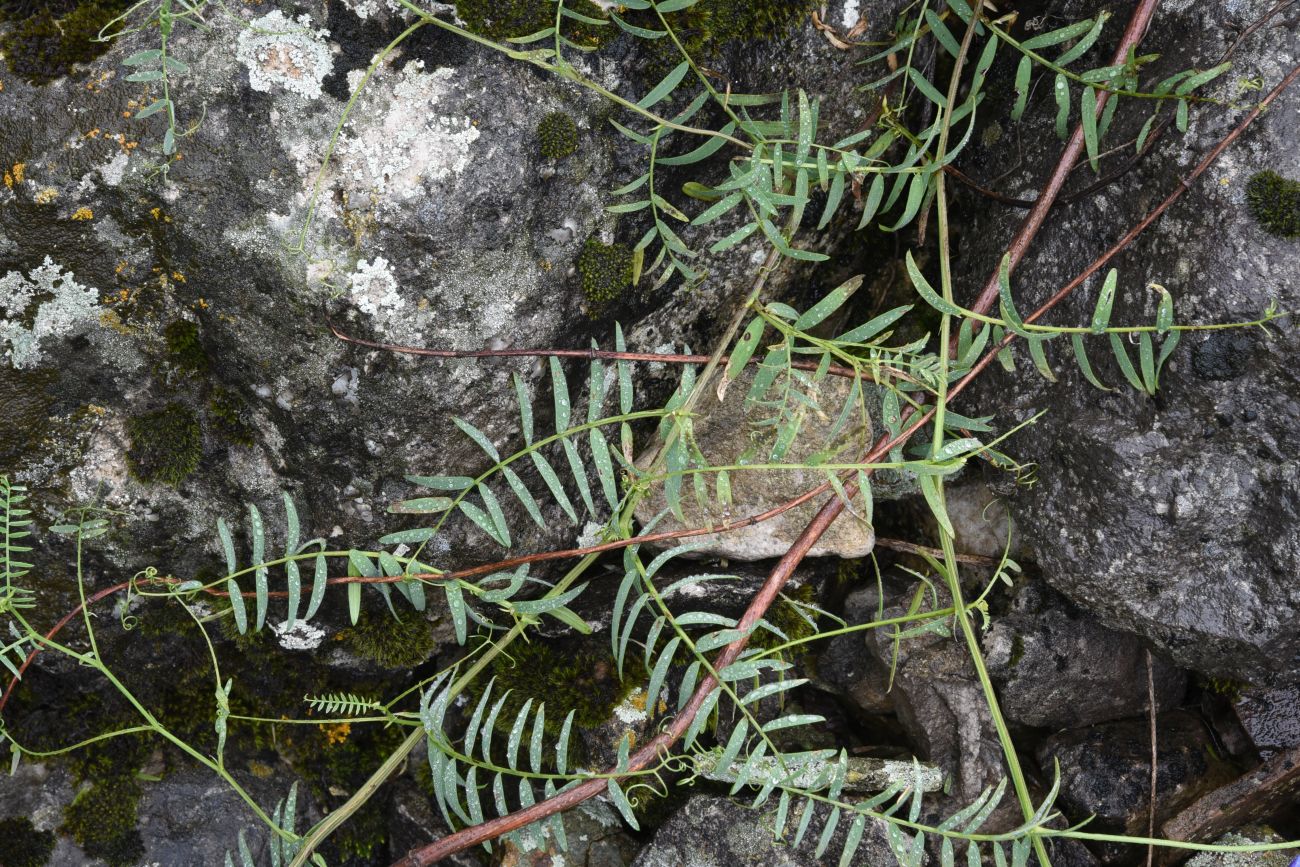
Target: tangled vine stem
{"points": [[472, 836]]}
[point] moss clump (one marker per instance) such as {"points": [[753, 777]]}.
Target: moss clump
{"points": [[1017, 651], [102, 821], [581, 678], [606, 269], [184, 349], [725, 20], [21, 845], [791, 620], [47, 41], [392, 643], [506, 19], [557, 136], [1275, 203], [228, 415], [165, 445]]}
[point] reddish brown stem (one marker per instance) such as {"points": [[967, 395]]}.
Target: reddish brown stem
{"points": [[602, 354], [1137, 26]]}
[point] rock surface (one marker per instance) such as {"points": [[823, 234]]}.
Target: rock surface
{"points": [[1174, 517], [1055, 666]]}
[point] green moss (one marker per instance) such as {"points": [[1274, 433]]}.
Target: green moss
{"points": [[228, 415], [725, 20], [606, 269], [557, 136], [184, 349], [505, 19], [45, 43], [21, 845], [567, 676], [102, 821], [165, 445], [1017, 651], [1275, 203], [392, 643], [790, 619]]}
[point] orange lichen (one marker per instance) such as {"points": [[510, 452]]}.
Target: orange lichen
{"points": [[337, 734]]}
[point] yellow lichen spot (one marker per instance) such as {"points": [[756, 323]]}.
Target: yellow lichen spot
{"points": [[261, 770], [202, 304], [178, 277], [45, 196], [422, 304], [83, 213], [156, 212], [96, 409], [337, 734], [110, 319], [121, 266], [9, 180], [94, 133], [20, 172]]}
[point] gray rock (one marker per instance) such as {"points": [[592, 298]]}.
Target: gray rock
{"points": [[1055, 666], [938, 699], [1244, 837], [1106, 772], [177, 815], [1270, 718], [1173, 518], [715, 832]]}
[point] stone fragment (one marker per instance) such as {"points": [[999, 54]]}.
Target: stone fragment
{"points": [[726, 433]]}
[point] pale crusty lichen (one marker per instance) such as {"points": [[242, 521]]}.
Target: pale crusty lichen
{"points": [[285, 54], [62, 306]]}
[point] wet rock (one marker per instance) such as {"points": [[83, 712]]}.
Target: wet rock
{"points": [[1055, 666], [715, 832], [176, 816], [594, 833], [414, 821], [1271, 718], [1173, 517], [1106, 772]]}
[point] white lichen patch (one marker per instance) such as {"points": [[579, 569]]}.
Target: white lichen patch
{"points": [[374, 288], [394, 150], [62, 306], [112, 171], [299, 635], [632, 711], [285, 54]]}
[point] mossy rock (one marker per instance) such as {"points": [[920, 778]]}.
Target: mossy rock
{"points": [[166, 445], [509, 19], [557, 135], [392, 643], [606, 269], [48, 39], [102, 820], [184, 348], [567, 676], [21, 845], [1275, 203]]}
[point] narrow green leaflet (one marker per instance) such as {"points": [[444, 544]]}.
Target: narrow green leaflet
{"points": [[1125, 363], [669, 81], [1061, 90], [1088, 116], [1081, 356], [829, 304], [745, 347], [934, 499], [1106, 300], [1022, 88], [621, 804], [926, 291], [258, 533], [1039, 356]]}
